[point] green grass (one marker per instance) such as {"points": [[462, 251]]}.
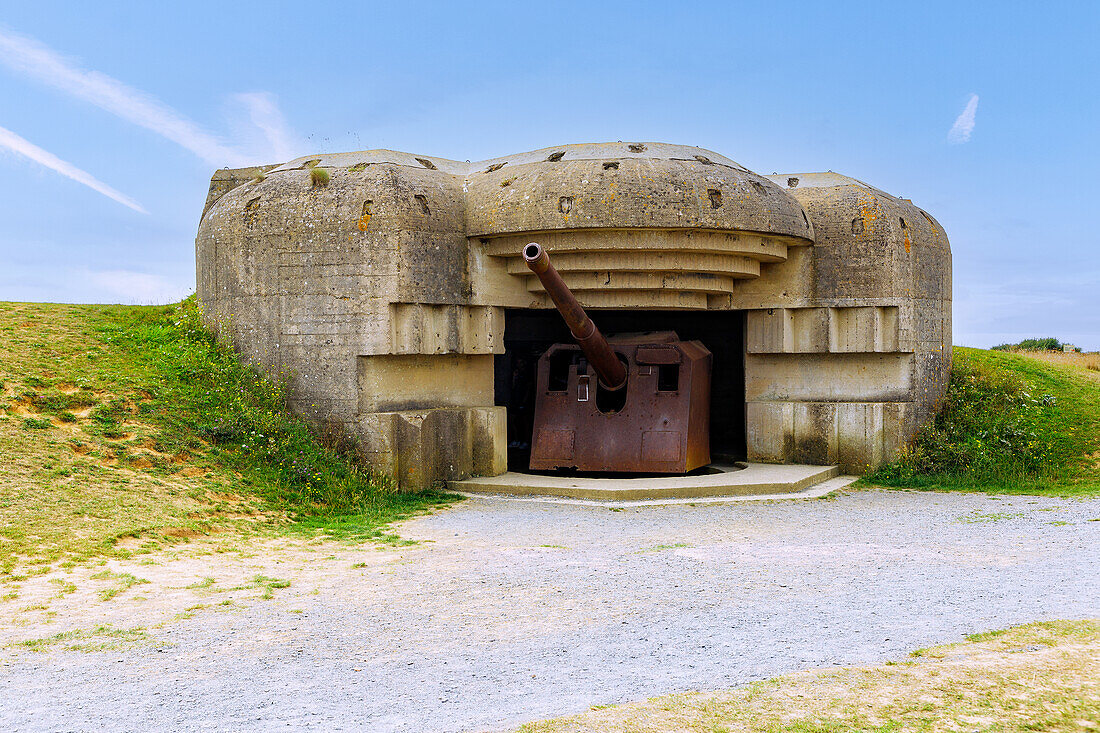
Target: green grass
{"points": [[318, 177], [124, 581], [100, 639], [128, 428], [1008, 423]]}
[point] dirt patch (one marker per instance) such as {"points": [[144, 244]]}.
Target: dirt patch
{"points": [[180, 532], [23, 407]]}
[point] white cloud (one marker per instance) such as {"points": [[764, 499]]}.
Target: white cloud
{"points": [[28, 56], [964, 123], [265, 115], [139, 288], [27, 149]]}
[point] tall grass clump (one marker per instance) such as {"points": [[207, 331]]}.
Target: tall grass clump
{"points": [[204, 395], [1008, 422], [319, 177]]}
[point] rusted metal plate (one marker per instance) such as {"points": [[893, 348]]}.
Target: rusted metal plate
{"points": [[653, 425], [555, 444], [662, 354]]}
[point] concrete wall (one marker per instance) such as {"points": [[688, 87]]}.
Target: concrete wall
{"points": [[380, 294], [859, 354]]}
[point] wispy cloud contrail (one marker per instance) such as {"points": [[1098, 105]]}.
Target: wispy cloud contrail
{"points": [[27, 149], [964, 123], [265, 115], [28, 56]]}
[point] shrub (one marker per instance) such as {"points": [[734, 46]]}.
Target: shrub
{"points": [[318, 177], [991, 426], [1041, 344], [36, 423]]}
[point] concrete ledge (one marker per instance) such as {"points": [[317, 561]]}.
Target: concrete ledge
{"points": [[757, 479]]}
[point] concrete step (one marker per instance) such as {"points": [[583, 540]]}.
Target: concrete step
{"points": [[754, 479]]}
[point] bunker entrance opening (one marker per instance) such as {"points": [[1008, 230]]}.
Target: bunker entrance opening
{"points": [[529, 333]]}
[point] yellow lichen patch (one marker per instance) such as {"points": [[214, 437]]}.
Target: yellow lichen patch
{"points": [[867, 206]]}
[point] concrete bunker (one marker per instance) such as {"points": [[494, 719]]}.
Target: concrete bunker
{"points": [[395, 297]]}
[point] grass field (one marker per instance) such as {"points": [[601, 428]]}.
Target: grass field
{"points": [[123, 429], [1089, 362], [1039, 677]]}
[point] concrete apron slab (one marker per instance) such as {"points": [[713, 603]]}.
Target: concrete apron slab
{"points": [[755, 481]]}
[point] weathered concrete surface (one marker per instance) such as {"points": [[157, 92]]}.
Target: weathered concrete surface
{"points": [[383, 292], [755, 478]]}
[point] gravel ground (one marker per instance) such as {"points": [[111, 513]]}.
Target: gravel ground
{"points": [[509, 611]]}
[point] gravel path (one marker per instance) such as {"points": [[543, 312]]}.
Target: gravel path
{"points": [[508, 612]]}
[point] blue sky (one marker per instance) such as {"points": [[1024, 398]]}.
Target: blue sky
{"points": [[113, 115]]}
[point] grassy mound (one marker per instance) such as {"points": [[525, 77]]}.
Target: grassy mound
{"points": [[1009, 422], [124, 428]]}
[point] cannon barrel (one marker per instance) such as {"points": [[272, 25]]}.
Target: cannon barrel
{"points": [[610, 369]]}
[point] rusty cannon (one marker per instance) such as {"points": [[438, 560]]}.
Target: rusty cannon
{"points": [[632, 403]]}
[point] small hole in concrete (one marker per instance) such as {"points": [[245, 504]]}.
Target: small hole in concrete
{"points": [[423, 201], [496, 167], [759, 187], [426, 163], [715, 197], [903, 224], [565, 204], [857, 226], [805, 220], [613, 166], [792, 183], [252, 212], [636, 148], [555, 157], [365, 215], [704, 160]]}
